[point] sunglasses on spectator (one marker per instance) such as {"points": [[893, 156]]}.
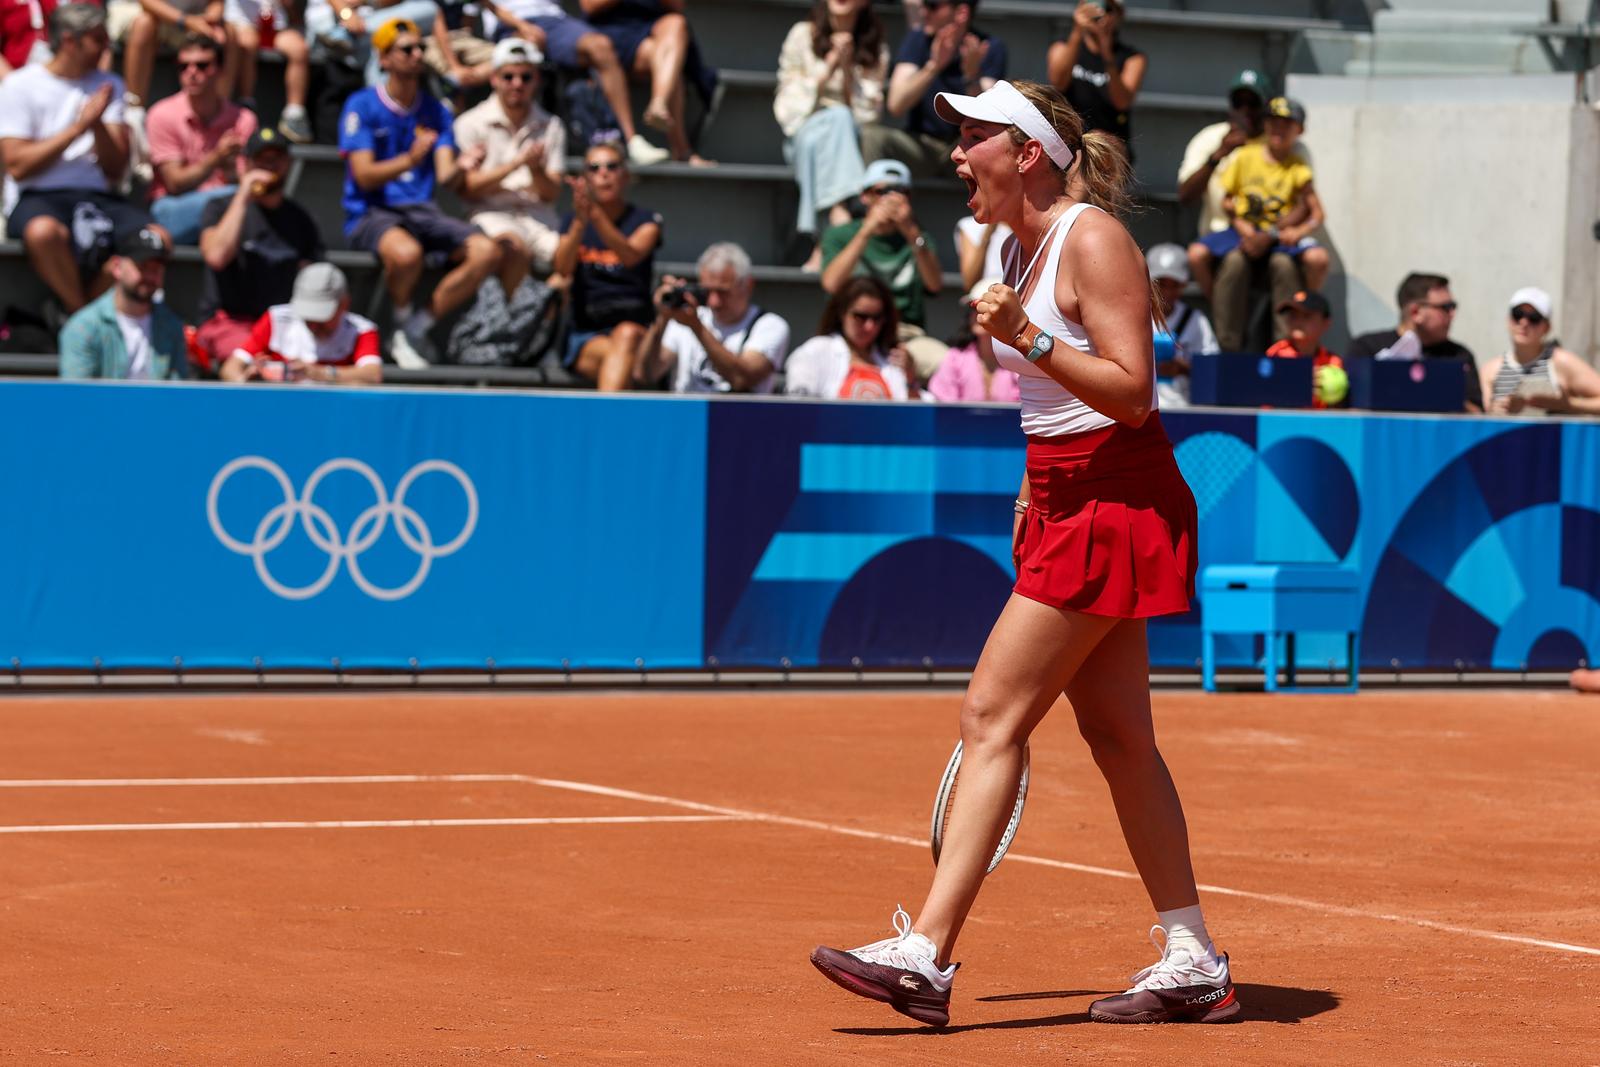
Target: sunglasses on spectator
{"points": [[1447, 307], [195, 64], [516, 78], [1527, 315], [606, 165], [884, 190], [412, 49], [866, 316]]}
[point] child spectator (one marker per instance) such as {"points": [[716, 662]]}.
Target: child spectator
{"points": [[254, 245], [196, 136], [125, 333], [1182, 331], [854, 355], [257, 24], [969, 371], [1098, 73], [312, 338], [1275, 209], [1309, 316], [1537, 376], [65, 146], [514, 187], [608, 248], [399, 145], [831, 75], [654, 44]]}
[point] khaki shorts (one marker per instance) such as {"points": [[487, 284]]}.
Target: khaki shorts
{"points": [[540, 239], [926, 352], [121, 13], [470, 51]]}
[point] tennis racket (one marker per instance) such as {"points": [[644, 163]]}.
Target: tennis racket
{"points": [[947, 796]]}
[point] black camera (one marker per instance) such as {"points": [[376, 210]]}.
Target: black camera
{"points": [[679, 297]]}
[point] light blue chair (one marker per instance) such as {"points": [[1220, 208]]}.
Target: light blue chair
{"points": [[1278, 600]]}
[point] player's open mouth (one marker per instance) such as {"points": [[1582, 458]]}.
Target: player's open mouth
{"points": [[972, 187]]}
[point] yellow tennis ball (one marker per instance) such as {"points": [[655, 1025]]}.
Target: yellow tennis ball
{"points": [[1333, 384]]}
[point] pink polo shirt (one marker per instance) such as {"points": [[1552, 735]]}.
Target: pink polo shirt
{"points": [[177, 135]]}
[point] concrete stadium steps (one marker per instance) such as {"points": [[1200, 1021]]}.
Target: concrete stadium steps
{"points": [[753, 204], [1190, 51], [745, 131]]}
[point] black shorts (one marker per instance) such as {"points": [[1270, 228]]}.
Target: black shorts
{"points": [[440, 235], [85, 213]]}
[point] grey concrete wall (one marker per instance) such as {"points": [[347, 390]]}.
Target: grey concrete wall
{"points": [[1494, 182]]}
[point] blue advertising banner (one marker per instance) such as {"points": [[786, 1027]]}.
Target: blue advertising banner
{"points": [[222, 525], [147, 522]]}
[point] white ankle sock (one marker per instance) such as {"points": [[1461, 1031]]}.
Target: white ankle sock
{"points": [[1186, 929], [294, 111], [402, 312]]}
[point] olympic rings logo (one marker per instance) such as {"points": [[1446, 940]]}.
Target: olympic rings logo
{"points": [[276, 525]]}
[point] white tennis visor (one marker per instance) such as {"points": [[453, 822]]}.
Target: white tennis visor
{"points": [[1003, 104]]}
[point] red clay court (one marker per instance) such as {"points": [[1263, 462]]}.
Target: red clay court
{"points": [[1402, 877]]}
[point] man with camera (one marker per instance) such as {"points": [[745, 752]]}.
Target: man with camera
{"points": [[254, 244], [890, 245], [718, 340]]}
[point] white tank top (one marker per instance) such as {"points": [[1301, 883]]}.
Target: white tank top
{"points": [[1048, 408]]}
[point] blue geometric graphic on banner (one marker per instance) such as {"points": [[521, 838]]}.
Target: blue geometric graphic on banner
{"points": [[1213, 463], [1284, 532], [929, 597], [1322, 487]]}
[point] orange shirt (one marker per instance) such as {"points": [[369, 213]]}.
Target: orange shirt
{"points": [[1285, 350]]}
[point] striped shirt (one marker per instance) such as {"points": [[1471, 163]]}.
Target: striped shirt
{"points": [[1512, 375]]}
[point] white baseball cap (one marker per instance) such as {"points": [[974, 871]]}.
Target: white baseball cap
{"points": [[1536, 298], [1002, 103], [1168, 261], [514, 50], [318, 289]]}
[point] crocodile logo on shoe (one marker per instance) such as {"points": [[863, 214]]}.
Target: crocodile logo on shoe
{"points": [[911, 983]]}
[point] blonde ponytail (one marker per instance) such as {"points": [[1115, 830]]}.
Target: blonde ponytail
{"points": [[1104, 172]]}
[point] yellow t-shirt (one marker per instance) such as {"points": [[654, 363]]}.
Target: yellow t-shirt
{"points": [[1263, 189]]}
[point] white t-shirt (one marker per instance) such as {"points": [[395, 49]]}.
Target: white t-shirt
{"points": [[762, 331], [993, 265], [136, 338], [822, 368], [34, 104], [1197, 338]]}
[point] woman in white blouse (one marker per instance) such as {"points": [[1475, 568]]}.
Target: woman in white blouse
{"points": [[854, 355], [831, 76]]}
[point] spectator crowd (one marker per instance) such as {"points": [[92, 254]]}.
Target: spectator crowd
{"points": [[550, 258]]}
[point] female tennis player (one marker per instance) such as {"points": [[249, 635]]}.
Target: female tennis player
{"points": [[1104, 538]]}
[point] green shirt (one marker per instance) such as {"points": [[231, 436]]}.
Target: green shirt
{"points": [[892, 260]]}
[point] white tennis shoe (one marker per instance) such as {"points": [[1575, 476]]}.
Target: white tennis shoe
{"points": [[899, 971]]}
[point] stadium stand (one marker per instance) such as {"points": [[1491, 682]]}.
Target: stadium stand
{"points": [[750, 197]]}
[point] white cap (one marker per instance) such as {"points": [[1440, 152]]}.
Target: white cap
{"points": [[1168, 261], [318, 289], [1536, 298], [978, 290], [885, 172], [1002, 103], [515, 50]]}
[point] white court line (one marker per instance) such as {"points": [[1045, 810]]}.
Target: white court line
{"points": [[1041, 861], [360, 824], [742, 815]]}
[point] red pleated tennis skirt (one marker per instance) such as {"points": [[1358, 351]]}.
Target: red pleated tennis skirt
{"points": [[1111, 528]]}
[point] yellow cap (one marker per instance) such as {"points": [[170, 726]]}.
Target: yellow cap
{"points": [[383, 37]]}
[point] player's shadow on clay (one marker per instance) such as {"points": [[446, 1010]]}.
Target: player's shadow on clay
{"points": [[1262, 1004]]}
